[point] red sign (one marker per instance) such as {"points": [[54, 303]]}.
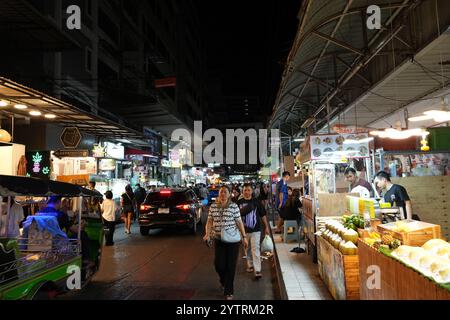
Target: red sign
{"points": [[166, 82], [343, 129]]}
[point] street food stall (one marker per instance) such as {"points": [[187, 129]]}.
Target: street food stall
{"points": [[323, 160], [38, 263]]}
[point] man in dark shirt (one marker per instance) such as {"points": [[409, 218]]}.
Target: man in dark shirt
{"points": [[394, 193], [352, 177], [252, 214]]}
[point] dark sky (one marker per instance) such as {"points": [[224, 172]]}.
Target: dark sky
{"points": [[245, 42]]}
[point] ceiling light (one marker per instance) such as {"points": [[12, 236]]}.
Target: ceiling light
{"points": [[358, 141], [35, 113], [20, 106], [50, 116], [3, 103], [299, 140], [399, 134], [442, 115]]}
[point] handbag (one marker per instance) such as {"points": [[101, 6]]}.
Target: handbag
{"points": [[231, 235]]}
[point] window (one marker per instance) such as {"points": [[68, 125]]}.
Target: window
{"points": [[88, 58]]}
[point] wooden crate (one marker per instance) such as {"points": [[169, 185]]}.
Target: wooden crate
{"points": [[414, 238], [397, 281], [339, 272]]}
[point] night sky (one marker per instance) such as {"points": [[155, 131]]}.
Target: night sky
{"points": [[246, 45]]}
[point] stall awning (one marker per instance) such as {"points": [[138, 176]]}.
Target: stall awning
{"points": [[65, 113]]}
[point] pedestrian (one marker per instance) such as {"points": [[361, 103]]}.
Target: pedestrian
{"points": [[225, 215], [253, 215], [264, 195], [140, 196], [108, 208], [281, 196], [292, 211], [128, 203]]}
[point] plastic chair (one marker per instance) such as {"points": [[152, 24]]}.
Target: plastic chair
{"points": [[290, 232]]}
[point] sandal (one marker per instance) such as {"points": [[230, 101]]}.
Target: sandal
{"points": [[250, 269]]}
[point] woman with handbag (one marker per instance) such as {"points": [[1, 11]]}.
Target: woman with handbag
{"points": [[128, 203], [225, 226]]}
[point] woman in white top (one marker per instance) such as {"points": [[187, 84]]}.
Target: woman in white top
{"points": [[224, 214], [108, 208]]}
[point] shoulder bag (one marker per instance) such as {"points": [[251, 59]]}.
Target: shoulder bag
{"points": [[231, 235]]}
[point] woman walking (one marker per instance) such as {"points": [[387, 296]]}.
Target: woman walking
{"points": [[225, 215], [108, 209], [128, 203]]}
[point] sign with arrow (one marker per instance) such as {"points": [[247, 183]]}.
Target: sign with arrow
{"points": [[71, 153]]}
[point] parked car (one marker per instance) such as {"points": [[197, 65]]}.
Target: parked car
{"points": [[213, 194], [172, 207]]}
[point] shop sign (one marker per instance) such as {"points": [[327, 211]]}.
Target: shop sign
{"points": [[98, 151], [71, 154], [114, 151], [70, 137], [38, 164], [333, 147], [343, 129], [107, 165], [166, 82]]}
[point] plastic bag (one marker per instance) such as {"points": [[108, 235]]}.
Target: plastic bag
{"points": [[267, 244]]}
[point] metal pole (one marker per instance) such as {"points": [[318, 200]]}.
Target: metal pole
{"points": [[80, 210], [8, 216], [12, 128]]}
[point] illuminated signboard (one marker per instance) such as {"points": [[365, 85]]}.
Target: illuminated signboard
{"points": [[38, 164]]}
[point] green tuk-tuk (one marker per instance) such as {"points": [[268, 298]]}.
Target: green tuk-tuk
{"points": [[46, 261]]}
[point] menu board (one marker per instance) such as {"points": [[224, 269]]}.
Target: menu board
{"points": [[337, 146]]}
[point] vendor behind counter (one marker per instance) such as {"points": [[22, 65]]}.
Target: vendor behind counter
{"points": [[394, 194]]}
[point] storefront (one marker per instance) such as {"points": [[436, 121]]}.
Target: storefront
{"points": [[144, 166]]}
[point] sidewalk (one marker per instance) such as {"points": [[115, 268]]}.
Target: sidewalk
{"points": [[300, 275]]}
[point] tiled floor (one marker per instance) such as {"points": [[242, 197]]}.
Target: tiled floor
{"points": [[300, 274]]}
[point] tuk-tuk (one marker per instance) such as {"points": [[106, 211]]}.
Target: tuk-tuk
{"points": [[38, 264]]}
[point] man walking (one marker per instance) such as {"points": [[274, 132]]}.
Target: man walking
{"points": [[281, 198], [252, 214]]}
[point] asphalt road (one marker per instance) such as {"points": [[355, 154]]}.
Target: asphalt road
{"points": [[168, 264]]}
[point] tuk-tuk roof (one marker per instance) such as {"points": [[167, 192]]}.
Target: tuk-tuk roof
{"points": [[35, 187]]}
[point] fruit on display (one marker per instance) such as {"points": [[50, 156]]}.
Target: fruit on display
{"points": [[341, 238], [348, 248], [350, 235], [387, 239], [354, 221], [426, 259]]}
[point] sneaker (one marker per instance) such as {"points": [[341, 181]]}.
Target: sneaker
{"points": [[229, 297], [258, 275]]}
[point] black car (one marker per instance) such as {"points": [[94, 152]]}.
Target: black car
{"points": [[170, 208]]}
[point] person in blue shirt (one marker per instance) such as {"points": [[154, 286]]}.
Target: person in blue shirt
{"points": [[281, 197]]}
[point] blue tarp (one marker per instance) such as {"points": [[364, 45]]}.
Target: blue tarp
{"points": [[48, 223]]}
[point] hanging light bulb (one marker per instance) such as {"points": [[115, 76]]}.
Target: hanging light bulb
{"points": [[4, 136], [424, 143], [442, 115]]}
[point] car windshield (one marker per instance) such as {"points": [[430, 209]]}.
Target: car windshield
{"points": [[168, 199]]}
